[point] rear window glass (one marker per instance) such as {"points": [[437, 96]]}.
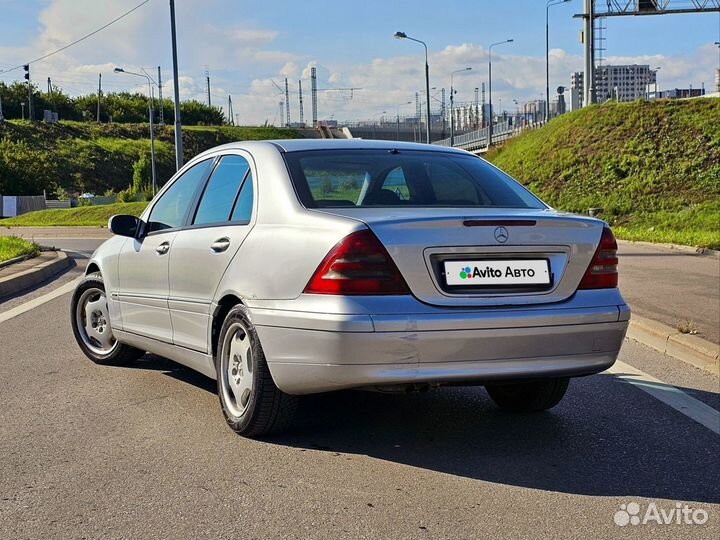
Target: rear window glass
{"points": [[371, 178]]}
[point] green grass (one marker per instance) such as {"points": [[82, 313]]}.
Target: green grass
{"points": [[84, 216], [653, 167], [695, 226], [11, 247]]}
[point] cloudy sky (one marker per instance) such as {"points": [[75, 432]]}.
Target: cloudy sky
{"points": [[248, 45]]}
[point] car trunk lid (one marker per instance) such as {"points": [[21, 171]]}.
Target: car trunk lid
{"points": [[433, 246]]}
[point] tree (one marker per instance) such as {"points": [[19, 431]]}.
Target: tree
{"points": [[194, 113], [142, 173]]}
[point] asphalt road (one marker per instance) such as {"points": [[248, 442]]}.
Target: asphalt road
{"points": [[143, 452], [672, 286]]}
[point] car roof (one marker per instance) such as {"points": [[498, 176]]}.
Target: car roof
{"points": [[303, 145]]}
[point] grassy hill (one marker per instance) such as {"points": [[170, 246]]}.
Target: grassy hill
{"points": [[83, 216], [89, 157], [653, 167]]}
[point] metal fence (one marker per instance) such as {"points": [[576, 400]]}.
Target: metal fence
{"points": [[478, 139], [11, 206], [54, 203]]}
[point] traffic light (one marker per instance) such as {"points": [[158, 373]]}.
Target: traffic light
{"points": [[26, 67]]}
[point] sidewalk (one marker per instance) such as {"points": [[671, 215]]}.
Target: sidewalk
{"points": [[672, 286]]}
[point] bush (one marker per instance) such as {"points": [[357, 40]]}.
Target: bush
{"points": [[142, 173], [145, 195], [127, 196], [61, 194], [94, 158]]}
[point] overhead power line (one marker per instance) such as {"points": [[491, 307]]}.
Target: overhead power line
{"points": [[103, 27]]}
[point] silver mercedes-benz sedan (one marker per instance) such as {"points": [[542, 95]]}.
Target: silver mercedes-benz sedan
{"points": [[284, 268]]}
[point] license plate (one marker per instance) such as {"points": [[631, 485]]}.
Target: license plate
{"points": [[497, 272]]}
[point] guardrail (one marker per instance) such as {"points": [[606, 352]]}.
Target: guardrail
{"points": [[477, 140]]}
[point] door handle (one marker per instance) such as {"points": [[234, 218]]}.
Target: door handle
{"points": [[163, 248], [220, 245]]}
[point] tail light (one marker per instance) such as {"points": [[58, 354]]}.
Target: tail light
{"points": [[602, 272], [357, 265]]}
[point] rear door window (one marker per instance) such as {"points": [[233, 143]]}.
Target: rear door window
{"points": [[221, 191], [244, 204]]}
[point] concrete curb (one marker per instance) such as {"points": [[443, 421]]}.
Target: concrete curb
{"points": [[21, 258], [668, 340], [689, 250], [34, 276]]}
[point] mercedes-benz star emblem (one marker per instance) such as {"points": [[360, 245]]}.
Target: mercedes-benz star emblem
{"points": [[501, 235]]}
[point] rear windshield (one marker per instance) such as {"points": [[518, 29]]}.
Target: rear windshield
{"points": [[372, 178]]}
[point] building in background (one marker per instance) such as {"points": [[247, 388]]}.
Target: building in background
{"points": [[470, 116], [681, 93], [530, 112], [615, 82], [576, 90]]}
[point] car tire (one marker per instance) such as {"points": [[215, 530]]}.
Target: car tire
{"points": [[91, 325], [251, 402], [528, 396]]}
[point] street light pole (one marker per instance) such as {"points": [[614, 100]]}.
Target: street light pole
{"points": [[377, 116], [403, 35], [152, 124], [549, 4], [398, 118], [452, 103], [176, 89], [490, 125]]}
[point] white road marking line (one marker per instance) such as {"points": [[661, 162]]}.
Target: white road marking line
{"points": [[83, 254], [40, 300], [668, 394]]}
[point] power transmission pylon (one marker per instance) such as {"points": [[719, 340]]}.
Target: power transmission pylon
{"points": [[302, 112], [313, 87], [207, 79], [287, 103]]}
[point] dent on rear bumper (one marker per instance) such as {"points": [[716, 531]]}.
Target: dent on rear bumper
{"points": [[308, 361], [301, 379], [315, 351]]}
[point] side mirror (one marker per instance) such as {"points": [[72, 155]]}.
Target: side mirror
{"points": [[124, 225]]}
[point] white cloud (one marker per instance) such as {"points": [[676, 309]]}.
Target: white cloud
{"points": [[244, 59], [252, 37], [289, 70]]}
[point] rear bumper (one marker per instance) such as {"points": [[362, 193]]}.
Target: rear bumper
{"points": [[319, 352]]}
